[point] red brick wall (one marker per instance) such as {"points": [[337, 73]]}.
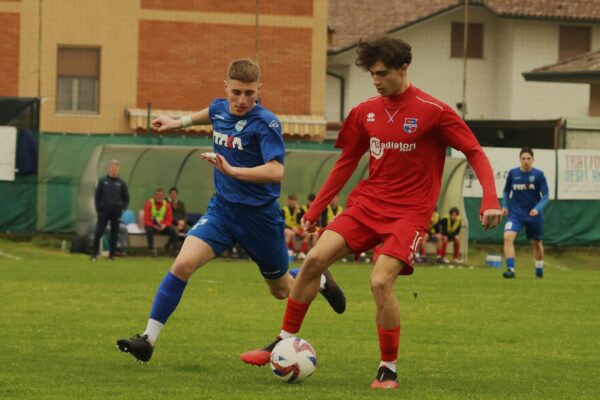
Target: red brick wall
{"points": [[277, 7], [9, 54], [183, 65]]}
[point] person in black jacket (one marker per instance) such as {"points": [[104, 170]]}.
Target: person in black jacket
{"points": [[111, 198]]}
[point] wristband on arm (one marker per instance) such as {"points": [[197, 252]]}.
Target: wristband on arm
{"points": [[186, 121]]}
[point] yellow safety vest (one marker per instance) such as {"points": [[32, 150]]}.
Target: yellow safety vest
{"points": [[435, 219], [331, 215], [453, 226], [158, 215], [291, 218]]}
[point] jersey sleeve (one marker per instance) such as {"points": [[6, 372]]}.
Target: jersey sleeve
{"points": [[543, 187], [506, 191], [458, 135], [271, 141], [212, 107], [353, 138]]}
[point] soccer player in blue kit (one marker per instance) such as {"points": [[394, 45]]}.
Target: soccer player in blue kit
{"points": [[248, 168], [524, 209]]}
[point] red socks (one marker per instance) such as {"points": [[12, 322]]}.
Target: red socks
{"points": [[456, 248], [389, 340], [304, 247], [294, 315]]}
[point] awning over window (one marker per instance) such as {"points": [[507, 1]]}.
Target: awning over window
{"points": [[309, 127]]}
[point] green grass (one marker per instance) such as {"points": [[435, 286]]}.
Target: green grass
{"points": [[468, 334]]}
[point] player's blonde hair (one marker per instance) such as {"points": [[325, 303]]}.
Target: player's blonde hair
{"points": [[244, 70]]}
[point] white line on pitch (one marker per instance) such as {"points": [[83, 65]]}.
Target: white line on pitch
{"points": [[3, 254]]}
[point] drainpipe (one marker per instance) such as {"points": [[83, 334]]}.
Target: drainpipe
{"points": [[342, 91]]}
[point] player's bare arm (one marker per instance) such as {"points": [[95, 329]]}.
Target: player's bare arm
{"points": [[166, 123], [271, 172]]}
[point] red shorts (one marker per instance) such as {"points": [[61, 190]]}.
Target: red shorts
{"points": [[363, 231]]}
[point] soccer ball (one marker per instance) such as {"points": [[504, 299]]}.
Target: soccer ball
{"points": [[293, 360]]}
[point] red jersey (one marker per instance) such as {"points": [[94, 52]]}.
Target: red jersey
{"points": [[407, 136]]}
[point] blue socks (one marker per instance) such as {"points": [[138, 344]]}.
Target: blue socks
{"points": [[510, 263], [167, 297]]}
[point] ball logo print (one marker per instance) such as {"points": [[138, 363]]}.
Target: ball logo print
{"points": [[376, 148], [293, 360]]}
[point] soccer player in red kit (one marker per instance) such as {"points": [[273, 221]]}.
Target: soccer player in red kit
{"points": [[407, 132]]}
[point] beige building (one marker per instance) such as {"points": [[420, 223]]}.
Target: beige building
{"points": [[96, 64], [506, 39]]}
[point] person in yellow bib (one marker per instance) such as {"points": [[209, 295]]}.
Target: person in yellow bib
{"points": [[158, 218], [308, 238], [450, 228], [431, 235], [290, 214], [332, 210]]}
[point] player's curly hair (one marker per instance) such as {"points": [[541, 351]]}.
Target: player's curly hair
{"points": [[244, 70], [394, 53]]}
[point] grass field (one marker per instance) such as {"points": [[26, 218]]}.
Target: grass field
{"points": [[468, 334]]}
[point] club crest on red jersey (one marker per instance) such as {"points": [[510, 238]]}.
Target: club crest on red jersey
{"points": [[410, 125]]}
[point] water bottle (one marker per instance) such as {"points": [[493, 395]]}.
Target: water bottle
{"points": [[493, 260]]}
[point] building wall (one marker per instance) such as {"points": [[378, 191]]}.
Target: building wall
{"points": [[9, 53], [173, 54], [495, 87], [536, 44]]}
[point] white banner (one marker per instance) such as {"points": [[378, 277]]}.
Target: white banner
{"points": [[579, 174], [505, 159], [8, 151]]}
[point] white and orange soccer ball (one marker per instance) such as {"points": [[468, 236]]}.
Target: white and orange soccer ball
{"points": [[293, 360]]}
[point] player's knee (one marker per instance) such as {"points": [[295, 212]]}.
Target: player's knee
{"points": [[316, 262], [183, 268], [280, 293], [380, 285]]}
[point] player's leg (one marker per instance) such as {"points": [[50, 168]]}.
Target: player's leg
{"points": [[397, 253], [533, 229], [114, 235], [538, 254], [290, 238], [150, 232], [192, 256], [308, 283], [511, 229], [387, 317], [208, 238], [509, 253], [304, 246], [100, 229], [444, 246], [456, 253]]}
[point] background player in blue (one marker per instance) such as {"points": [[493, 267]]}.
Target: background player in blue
{"points": [[524, 209], [248, 159]]}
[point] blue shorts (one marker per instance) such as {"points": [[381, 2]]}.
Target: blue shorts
{"points": [[533, 225], [258, 230]]}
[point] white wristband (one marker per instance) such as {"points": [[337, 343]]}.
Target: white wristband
{"points": [[186, 121]]}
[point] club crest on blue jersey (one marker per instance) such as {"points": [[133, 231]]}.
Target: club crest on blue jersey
{"points": [[410, 125], [240, 125]]}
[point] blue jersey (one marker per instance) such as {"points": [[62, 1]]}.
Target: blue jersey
{"points": [[529, 191], [248, 141]]}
